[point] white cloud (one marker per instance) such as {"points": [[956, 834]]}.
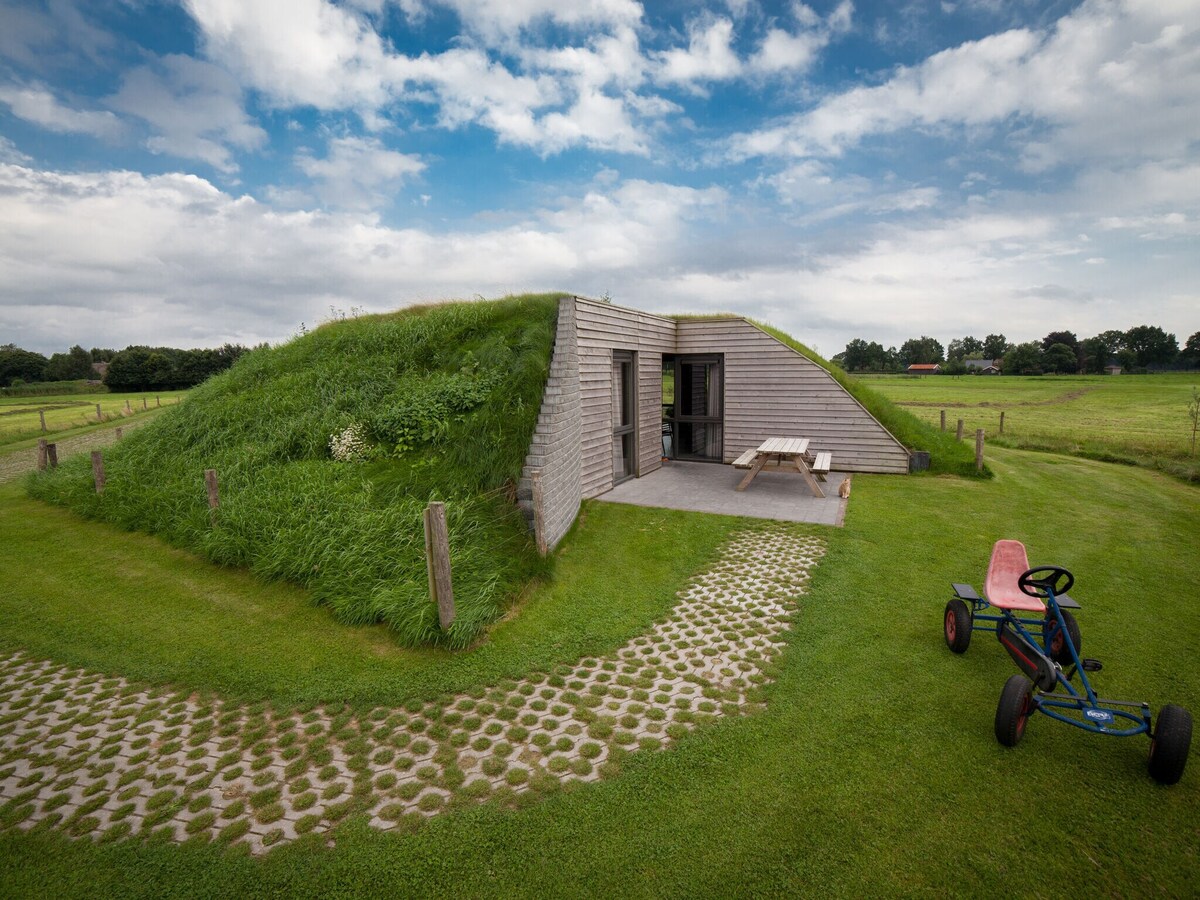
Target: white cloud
{"points": [[9, 153], [358, 173], [297, 52], [495, 21], [193, 107], [173, 259], [1109, 79], [36, 104], [783, 51], [709, 55]]}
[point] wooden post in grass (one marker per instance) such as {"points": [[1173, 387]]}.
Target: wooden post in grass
{"points": [[52, 455], [145, 405], [99, 416], [943, 420], [539, 513], [979, 449], [128, 408], [42, 416], [42, 455], [437, 562], [98, 470], [120, 431], [158, 401], [958, 434], [214, 499], [1002, 421]]}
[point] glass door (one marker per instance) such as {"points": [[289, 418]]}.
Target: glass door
{"points": [[696, 415], [624, 416]]}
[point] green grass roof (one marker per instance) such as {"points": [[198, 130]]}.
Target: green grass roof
{"points": [[445, 400]]}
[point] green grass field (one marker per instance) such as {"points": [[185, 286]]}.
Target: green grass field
{"points": [[70, 414], [872, 772], [1136, 419]]}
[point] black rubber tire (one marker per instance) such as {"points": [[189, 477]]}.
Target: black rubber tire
{"points": [[1013, 710], [956, 626], [1058, 647], [1169, 748]]}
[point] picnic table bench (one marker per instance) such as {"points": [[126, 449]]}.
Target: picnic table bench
{"points": [[788, 455]]}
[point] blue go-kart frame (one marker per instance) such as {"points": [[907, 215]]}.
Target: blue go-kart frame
{"points": [[1047, 651]]}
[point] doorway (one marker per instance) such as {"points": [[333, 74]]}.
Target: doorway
{"points": [[624, 416], [694, 407]]}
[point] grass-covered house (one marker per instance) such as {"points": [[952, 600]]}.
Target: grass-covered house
{"points": [[628, 388]]}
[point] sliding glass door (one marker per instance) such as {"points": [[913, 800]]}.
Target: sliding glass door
{"points": [[695, 417]]}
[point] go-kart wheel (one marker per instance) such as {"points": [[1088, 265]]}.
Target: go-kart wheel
{"points": [[1058, 646], [1039, 581], [1169, 748], [1016, 704], [957, 626]]}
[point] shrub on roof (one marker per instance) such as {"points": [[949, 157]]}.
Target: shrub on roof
{"points": [[329, 447]]}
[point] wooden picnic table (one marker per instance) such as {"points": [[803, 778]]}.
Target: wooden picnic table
{"points": [[787, 454]]}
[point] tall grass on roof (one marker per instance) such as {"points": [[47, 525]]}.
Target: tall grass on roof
{"points": [[445, 400]]}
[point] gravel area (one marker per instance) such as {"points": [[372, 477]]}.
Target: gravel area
{"points": [[97, 756]]}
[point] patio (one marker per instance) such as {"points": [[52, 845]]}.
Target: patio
{"points": [[707, 487]]}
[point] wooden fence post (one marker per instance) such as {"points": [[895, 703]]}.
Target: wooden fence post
{"points": [[42, 416], [539, 513], [943, 420], [958, 434], [98, 470], [144, 404], [128, 408], [119, 432], [437, 561], [99, 415], [979, 449], [158, 401], [41, 455], [52, 455], [1002, 421], [210, 482]]}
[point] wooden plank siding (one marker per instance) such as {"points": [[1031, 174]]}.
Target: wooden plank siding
{"points": [[603, 328], [773, 391]]}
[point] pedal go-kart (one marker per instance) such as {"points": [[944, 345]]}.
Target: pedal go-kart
{"points": [[1028, 609]]}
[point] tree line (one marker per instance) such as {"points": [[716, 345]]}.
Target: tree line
{"points": [[135, 368], [1140, 349]]}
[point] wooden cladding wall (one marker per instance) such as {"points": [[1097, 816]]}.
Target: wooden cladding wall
{"points": [[773, 391], [601, 329]]}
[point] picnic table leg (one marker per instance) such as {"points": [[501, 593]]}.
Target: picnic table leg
{"points": [[755, 468], [812, 482]]}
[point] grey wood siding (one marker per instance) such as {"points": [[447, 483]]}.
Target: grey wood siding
{"points": [[603, 328], [773, 391], [554, 449]]}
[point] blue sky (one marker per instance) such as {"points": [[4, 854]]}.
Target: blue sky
{"points": [[205, 171]]}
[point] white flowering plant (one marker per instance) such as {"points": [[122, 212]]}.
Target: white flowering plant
{"points": [[350, 444]]}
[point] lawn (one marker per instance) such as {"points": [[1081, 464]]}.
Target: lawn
{"points": [[70, 414], [873, 770], [1137, 419]]}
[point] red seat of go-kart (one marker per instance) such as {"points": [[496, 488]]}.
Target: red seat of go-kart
{"points": [[1008, 563]]}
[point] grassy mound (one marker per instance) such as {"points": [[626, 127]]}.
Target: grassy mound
{"points": [[946, 454], [430, 403]]}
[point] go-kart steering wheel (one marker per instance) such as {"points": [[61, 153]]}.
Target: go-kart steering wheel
{"points": [[1040, 581]]}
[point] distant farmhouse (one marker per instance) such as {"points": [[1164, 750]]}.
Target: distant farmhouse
{"points": [[983, 366], [923, 369]]}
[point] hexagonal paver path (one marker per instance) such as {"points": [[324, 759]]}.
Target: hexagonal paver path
{"points": [[98, 756]]}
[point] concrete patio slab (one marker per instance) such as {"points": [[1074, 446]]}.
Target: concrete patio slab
{"points": [[708, 487]]}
